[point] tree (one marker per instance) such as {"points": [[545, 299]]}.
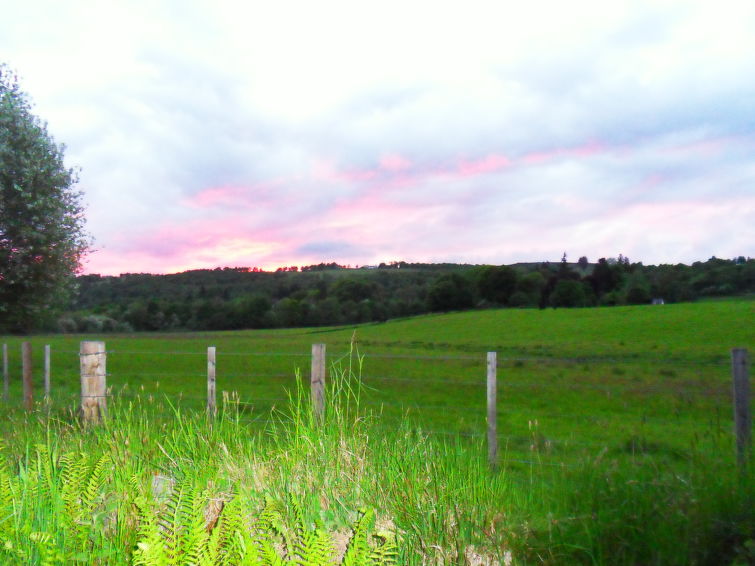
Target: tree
{"points": [[605, 277], [568, 293], [450, 292], [42, 237], [496, 284]]}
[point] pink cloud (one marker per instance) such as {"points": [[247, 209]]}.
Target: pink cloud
{"points": [[174, 247], [487, 164], [235, 195], [393, 162], [587, 150], [390, 204], [326, 170]]}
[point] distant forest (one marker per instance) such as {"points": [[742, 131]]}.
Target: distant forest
{"points": [[332, 294]]}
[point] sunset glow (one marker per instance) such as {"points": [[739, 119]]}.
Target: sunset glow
{"points": [[239, 135]]}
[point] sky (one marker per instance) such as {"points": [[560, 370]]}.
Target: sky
{"points": [[216, 133]]}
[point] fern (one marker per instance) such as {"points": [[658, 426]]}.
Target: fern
{"points": [[81, 492], [150, 550], [361, 553], [95, 480], [310, 547], [7, 498], [48, 554], [358, 550], [194, 535], [178, 533]]}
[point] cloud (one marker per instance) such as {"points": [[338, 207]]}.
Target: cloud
{"points": [[330, 249], [265, 134]]}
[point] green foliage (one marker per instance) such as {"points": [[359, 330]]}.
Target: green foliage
{"points": [[568, 293], [616, 425], [496, 284], [179, 533], [52, 508], [236, 298], [41, 217], [450, 292]]}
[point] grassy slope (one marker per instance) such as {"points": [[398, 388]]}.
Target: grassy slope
{"points": [[585, 376]]}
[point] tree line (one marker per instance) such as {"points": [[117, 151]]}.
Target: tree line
{"points": [[331, 294]]}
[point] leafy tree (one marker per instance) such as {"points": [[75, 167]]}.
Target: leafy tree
{"points": [[351, 290], [42, 238], [290, 312], [568, 293], [253, 312], [496, 284], [529, 289], [450, 292], [605, 277], [638, 295]]}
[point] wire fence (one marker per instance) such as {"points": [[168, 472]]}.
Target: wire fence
{"points": [[546, 405]]}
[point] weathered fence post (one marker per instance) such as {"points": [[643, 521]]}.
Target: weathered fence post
{"points": [[742, 415], [212, 407], [492, 410], [47, 372], [93, 359], [318, 381], [27, 375], [6, 377]]}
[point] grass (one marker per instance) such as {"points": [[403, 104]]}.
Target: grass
{"points": [[615, 432]]}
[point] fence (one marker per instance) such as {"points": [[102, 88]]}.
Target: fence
{"points": [[94, 392]]}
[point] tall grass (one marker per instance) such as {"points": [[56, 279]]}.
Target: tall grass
{"points": [[72, 493]]}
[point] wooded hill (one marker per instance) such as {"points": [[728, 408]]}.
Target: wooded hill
{"points": [[331, 294]]}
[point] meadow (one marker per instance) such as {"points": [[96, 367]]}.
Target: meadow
{"points": [[615, 427]]}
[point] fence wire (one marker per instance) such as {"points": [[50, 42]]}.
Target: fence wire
{"points": [[683, 390]]}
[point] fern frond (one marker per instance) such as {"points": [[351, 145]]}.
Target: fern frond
{"points": [[308, 547], [97, 477], [384, 552], [150, 549], [231, 538], [49, 555], [194, 535], [317, 549], [169, 522], [269, 528], [72, 477], [357, 553]]}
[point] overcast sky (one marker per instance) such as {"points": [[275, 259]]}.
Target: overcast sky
{"points": [[289, 133]]}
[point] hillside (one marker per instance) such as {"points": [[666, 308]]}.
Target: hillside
{"points": [[329, 294]]}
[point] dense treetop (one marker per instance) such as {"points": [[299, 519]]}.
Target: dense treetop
{"points": [[331, 294]]}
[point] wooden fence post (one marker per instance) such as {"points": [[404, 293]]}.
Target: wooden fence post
{"points": [[492, 410], [742, 415], [318, 381], [27, 375], [6, 377], [212, 407], [47, 372], [93, 360]]}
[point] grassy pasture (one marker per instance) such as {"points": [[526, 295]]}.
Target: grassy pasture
{"points": [[597, 407], [568, 379]]}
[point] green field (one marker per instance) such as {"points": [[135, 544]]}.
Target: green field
{"points": [[595, 407]]}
